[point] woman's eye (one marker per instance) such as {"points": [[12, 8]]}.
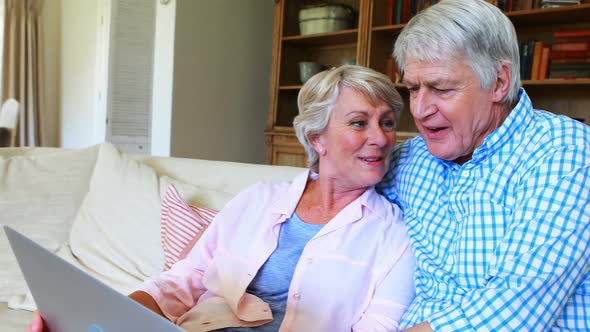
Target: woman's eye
{"points": [[358, 124], [388, 124]]}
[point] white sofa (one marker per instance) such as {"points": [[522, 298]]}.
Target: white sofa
{"points": [[100, 209]]}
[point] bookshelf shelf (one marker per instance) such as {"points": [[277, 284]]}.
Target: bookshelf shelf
{"points": [[394, 28], [559, 82], [322, 39], [371, 42], [549, 16], [290, 87]]}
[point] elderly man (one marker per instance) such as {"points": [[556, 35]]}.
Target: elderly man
{"points": [[495, 193]]}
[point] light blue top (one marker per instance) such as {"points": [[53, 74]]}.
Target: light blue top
{"points": [[502, 242], [271, 283]]}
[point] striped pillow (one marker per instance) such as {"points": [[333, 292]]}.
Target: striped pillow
{"points": [[182, 224]]}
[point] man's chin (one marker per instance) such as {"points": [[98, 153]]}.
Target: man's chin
{"points": [[439, 150]]}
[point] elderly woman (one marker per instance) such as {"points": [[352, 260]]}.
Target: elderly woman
{"points": [[324, 252]]}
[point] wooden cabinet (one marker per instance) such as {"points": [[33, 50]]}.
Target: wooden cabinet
{"points": [[370, 41]]}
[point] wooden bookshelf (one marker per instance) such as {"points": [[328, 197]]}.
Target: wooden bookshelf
{"points": [[370, 41]]}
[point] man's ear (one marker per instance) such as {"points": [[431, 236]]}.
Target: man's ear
{"points": [[502, 85]]}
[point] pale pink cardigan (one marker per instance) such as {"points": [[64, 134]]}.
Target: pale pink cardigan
{"points": [[355, 274]]}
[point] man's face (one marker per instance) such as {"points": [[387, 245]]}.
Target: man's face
{"points": [[452, 112]]}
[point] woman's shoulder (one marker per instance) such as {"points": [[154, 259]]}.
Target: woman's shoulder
{"points": [[263, 190]]}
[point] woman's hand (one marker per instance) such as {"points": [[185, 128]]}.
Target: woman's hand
{"points": [[37, 324]]}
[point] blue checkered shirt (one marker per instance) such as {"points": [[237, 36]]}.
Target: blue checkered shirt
{"points": [[503, 241]]}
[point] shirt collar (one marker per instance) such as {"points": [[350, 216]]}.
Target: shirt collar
{"points": [[286, 204]]}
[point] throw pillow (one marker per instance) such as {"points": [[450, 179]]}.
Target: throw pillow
{"points": [[196, 195], [116, 232], [182, 225], [40, 191]]}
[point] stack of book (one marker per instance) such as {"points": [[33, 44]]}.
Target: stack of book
{"points": [[401, 11], [515, 5], [558, 3], [534, 60], [570, 54]]}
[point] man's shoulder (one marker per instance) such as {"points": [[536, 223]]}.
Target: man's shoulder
{"points": [[559, 129], [410, 159], [412, 156], [557, 138], [408, 150]]}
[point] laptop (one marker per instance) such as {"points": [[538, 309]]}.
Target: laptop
{"points": [[71, 300]]}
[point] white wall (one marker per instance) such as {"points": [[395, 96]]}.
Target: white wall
{"points": [[222, 61], [163, 78], [78, 88], [212, 75]]}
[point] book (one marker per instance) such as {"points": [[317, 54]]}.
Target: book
{"points": [[523, 50], [572, 60], [569, 54], [571, 34], [557, 3], [576, 66], [572, 46], [390, 11], [564, 2], [526, 5], [406, 10], [544, 66], [527, 59], [570, 73], [537, 50]]}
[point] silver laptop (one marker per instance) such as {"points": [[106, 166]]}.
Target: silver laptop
{"points": [[70, 300]]}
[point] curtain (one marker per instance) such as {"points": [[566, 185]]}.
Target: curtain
{"points": [[21, 71]]}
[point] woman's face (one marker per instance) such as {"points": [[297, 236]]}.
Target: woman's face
{"points": [[355, 148]]}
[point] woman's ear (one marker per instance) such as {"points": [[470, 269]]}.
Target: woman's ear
{"points": [[316, 142], [502, 85]]}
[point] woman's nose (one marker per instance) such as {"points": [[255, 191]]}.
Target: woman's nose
{"points": [[378, 136]]}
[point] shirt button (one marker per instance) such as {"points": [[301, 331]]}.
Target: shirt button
{"points": [[296, 296]]}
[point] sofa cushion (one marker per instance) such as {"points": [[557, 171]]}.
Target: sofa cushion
{"points": [[196, 195], [182, 225], [40, 192], [116, 232]]}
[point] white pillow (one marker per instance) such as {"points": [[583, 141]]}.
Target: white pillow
{"points": [[196, 195], [116, 233], [40, 192]]}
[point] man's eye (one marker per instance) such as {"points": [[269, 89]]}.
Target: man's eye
{"points": [[413, 89]]}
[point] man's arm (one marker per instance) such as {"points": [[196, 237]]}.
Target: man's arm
{"points": [[541, 261]]}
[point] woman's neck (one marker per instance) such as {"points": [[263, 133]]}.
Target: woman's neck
{"points": [[323, 199]]}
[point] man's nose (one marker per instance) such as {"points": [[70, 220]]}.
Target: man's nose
{"points": [[422, 104]]}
